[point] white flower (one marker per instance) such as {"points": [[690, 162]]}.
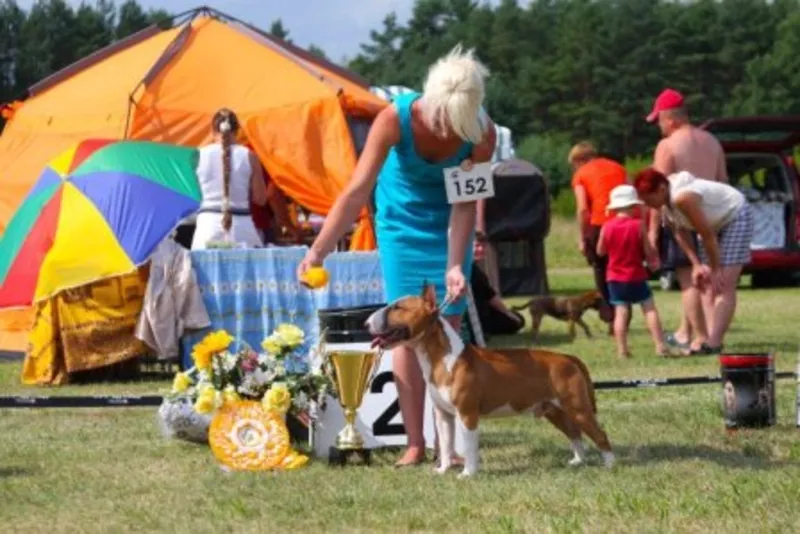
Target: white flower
{"points": [[300, 400], [229, 362], [280, 370], [259, 377], [316, 362], [249, 386]]}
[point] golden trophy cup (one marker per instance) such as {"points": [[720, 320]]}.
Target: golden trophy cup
{"points": [[351, 372]]}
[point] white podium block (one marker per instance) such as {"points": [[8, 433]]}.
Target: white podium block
{"points": [[378, 420]]}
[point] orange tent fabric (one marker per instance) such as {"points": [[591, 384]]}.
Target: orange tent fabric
{"points": [[293, 111], [165, 85]]}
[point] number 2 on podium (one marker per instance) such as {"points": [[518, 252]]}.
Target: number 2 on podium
{"points": [[383, 425]]}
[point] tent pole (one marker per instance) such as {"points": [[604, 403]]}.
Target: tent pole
{"points": [[131, 103]]}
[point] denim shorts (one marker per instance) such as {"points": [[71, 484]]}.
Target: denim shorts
{"points": [[621, 293]]}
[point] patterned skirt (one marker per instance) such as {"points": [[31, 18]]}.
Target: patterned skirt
{"points": [[734, 239]]}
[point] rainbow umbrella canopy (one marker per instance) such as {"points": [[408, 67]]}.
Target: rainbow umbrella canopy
{"points": [[97, 211]]}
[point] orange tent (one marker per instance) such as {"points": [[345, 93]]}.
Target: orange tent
{"points": [[165, 85]]}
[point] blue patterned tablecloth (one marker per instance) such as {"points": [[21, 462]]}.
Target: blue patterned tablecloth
{"points": [[249, 292]]}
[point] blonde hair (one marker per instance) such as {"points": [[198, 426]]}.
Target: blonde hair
{"points": [[583, 151], [453, 94]]}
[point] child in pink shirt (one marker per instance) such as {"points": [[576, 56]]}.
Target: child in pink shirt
{"points": [[625, 242]]}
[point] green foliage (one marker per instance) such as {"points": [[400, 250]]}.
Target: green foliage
{"points": [[593, 68], [317, 51], [549, 153], [634, 164], [563, 203], [278, 30]]}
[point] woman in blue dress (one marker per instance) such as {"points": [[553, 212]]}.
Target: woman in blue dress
{"points": [[421, 237]]}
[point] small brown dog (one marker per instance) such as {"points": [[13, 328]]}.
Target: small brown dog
{"points": [[566, 308]]}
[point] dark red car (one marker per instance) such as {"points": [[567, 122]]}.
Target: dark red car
{"points": [[761, 153]]}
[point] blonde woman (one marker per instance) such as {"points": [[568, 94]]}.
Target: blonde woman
{"points": [[408, 147], [230, 177]]}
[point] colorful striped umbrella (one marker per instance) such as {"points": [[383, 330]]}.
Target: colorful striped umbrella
{"points": [[98, 210]]}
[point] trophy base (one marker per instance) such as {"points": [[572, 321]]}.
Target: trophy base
{"points": [[341, 457]]}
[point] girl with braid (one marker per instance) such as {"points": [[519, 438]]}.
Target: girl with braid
{"points": [[230, 178]]}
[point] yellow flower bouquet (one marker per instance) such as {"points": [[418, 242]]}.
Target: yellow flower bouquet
{"points": [[279, 377]]}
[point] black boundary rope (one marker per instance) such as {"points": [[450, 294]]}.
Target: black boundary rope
{"points": [[111, 401]]}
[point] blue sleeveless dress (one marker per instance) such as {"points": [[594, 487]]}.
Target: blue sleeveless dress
{"points": [[413, 216]]}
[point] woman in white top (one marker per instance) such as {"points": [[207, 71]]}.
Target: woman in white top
{"points": [[723, 219], [229, 176]]}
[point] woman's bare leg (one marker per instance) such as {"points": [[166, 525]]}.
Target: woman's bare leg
{"points": [[724, 305], [411, 397]]}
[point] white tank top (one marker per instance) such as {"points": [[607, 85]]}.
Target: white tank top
{"points": [[718, 201], [209, 174]]}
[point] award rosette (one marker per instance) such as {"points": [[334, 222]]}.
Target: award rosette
{"points": [[244, 436]]}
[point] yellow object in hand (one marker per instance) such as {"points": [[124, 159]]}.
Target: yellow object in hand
{"points": [[315, 277]]}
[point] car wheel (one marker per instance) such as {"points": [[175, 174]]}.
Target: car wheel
{"points": [[668, 281]]}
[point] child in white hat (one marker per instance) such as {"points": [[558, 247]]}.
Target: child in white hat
{"points": [[624, 240]]}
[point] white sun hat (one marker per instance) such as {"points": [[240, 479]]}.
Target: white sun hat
{"points": [[623, 196]]}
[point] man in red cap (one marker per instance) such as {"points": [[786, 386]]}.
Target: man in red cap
{"points": [[684, 147]]}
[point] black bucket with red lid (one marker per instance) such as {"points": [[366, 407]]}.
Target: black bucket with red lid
{"points": [[748, 389]]}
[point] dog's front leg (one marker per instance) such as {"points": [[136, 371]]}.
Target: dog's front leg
{"points": [[572, 316], [536, 323], [572, 333], [467, 428], [585, 327], [445, 426]]}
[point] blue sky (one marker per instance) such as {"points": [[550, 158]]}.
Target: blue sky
{"points": [[337, 26]]}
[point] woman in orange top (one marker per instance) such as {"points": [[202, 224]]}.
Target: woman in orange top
{"points": [[592, 183]]}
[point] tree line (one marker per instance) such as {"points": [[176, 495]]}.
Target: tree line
{"points": [[561, 70], [564, 70]]}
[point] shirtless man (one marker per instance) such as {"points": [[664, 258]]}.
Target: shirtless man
{"points": [[684, 147]]}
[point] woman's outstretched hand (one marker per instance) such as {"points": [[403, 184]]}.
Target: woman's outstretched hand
{"points": [[312, 259]]}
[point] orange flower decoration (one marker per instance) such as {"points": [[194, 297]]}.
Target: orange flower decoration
{"points": [[246, 437]]}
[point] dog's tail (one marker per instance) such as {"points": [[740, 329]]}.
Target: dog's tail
{"points": [[589, 385], [524, 306]]}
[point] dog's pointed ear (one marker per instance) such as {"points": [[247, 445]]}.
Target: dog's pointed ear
{"points": [[429, 295]]}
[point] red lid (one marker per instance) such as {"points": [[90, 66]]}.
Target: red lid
{"points": [[744, 360]]}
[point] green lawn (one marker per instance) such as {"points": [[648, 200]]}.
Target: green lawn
{"points": [[110, 470]]}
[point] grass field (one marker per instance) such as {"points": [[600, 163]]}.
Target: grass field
{"points": [[678, 471]]}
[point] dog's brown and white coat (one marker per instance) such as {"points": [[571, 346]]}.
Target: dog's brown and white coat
{"points": [[467, 383]]}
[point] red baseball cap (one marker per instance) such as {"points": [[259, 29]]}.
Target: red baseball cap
{"points": [[668, 99]]}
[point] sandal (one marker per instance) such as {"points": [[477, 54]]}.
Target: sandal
{"points": [[412, 463], [672, 341], [704, 350]]}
